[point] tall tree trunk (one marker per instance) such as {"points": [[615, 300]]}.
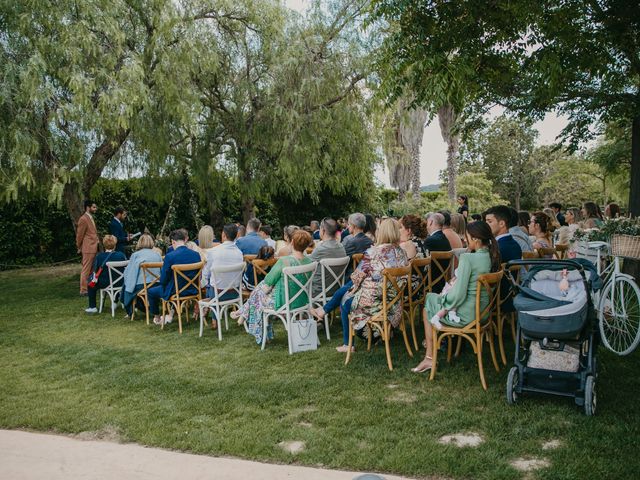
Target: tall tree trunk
{"points": [[447, 118], [248, 208], [73, 201], [415, 174], [634, 190]]}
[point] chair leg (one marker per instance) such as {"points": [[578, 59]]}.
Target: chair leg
{"points": [[265, 325], [403, 328], [200, 311], [114, 304], [492, 348], [326, 327], [480, 366], [387, 341], [450, 348], [179, 307], [350, 343], [164, 304], [459, 347], [369, 338], [503, 356], [101, 301], [219, 314], [412, 324], [435, 346]]}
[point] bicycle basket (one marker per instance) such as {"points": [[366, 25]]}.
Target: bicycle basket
{"points": [[625, 246]]}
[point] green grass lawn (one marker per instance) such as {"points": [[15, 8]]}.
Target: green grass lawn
{"points": [[65, 371]]}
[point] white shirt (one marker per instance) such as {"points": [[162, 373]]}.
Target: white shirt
{"points": [[270, 242], [223, 255], [502, 236]]}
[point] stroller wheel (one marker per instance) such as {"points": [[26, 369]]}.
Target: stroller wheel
{"points": [[512, 383], [590, 396]]}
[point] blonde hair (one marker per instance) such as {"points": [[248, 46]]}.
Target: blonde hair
{"points": [[109, 242], [145, 241], [458, 224], [553, 219], [388, 232], [205, 237]]}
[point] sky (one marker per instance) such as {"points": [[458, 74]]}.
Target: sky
{"points": [[433, 153]]}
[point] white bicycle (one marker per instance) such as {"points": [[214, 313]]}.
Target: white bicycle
{"points": [[618, 303]]}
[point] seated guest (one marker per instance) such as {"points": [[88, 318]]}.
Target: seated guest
{"points": [[250, 244], [270, 294], [592, 215], [265, 234], [364, 299], [413, 231], [484, 258], [553, 221], [242, 230], [287, 236], [315, 229], [327, 248], [180, 255], [109, 255], [437, 242], [226, 254], [475, 217], [517, 233], [612, 210], [116, 228], [206, 242], [134, 275], [539, 228], [357, 241], [557, 210], [459, 225], [523, 221], [498, 219], [454, 239], [573, 217], [370, 227]]}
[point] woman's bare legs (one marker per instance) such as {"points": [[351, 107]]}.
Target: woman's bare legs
{"points": [[426, 363]]}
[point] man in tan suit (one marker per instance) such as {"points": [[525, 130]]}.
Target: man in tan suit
{"points": [[87, 242]]}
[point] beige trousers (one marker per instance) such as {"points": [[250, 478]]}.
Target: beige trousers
{"points": [[87, 265]]}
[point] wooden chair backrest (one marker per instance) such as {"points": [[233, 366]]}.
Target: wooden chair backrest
{"points": [[151, 269], [420, 269], [530, 255], [437, 261], [261, 267], [356, 258], [562, 250], [489, 283], [545, 252], [179, 271], [248, 258], [392, 278]]}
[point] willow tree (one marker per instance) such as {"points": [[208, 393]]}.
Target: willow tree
{"points": [[288, 116], [81, 79]]}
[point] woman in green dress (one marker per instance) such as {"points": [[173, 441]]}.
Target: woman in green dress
{"points": [[270, 293], [484, 257]]}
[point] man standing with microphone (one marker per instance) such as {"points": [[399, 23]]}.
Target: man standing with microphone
{"points": [[116, 228]]}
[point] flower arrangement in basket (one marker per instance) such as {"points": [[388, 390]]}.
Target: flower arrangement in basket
{"points": [[623, 233]]}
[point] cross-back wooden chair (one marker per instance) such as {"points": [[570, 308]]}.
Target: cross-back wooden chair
{"points": [[332, 272], [113, 291], [417, 293], [151, 271], [476, 331], [549, 252], [437, 270], [287, 313], [248, 258], [393, 279], [181, 299], [356, 258], [511, 317], [529, 256], [260, 268], [562, 251]]}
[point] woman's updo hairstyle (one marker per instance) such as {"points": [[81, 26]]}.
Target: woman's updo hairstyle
{"points": [[481, 230], [416, 225], [541, 219]]}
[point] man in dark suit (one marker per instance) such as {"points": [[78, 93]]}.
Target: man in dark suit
{"points": [[557, 208], [357, 241], [166, 287], [437, 242], [498, 219], [116, 228]]}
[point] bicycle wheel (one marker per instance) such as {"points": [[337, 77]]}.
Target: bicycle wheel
{"points": [[619, 316]]}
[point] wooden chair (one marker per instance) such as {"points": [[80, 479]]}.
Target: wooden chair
{"points": [[310, 248], [515, 272], [179, 300], [115, 271], [393, 278], [437, 268], [248, 258], [547, 252], [356, 258], [287, 313], [332, 277], [562, 251], [476, 331], [416, 294], [151, 271], [260, 267]]}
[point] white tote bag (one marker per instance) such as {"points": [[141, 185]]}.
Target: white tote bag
{"points": [[304, 335]]}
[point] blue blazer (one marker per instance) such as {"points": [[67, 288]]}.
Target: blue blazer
{"points": [[182, 255], [509, 250], [117, 230]]}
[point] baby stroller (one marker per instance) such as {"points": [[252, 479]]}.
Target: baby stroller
{"points": [[557, 331]]}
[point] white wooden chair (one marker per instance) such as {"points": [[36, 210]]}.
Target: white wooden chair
{"points": [[332, 277], [116, 282], [286, 313], [221, 307]]}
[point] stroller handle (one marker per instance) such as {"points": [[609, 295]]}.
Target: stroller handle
{"points": [[543, 261]]}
